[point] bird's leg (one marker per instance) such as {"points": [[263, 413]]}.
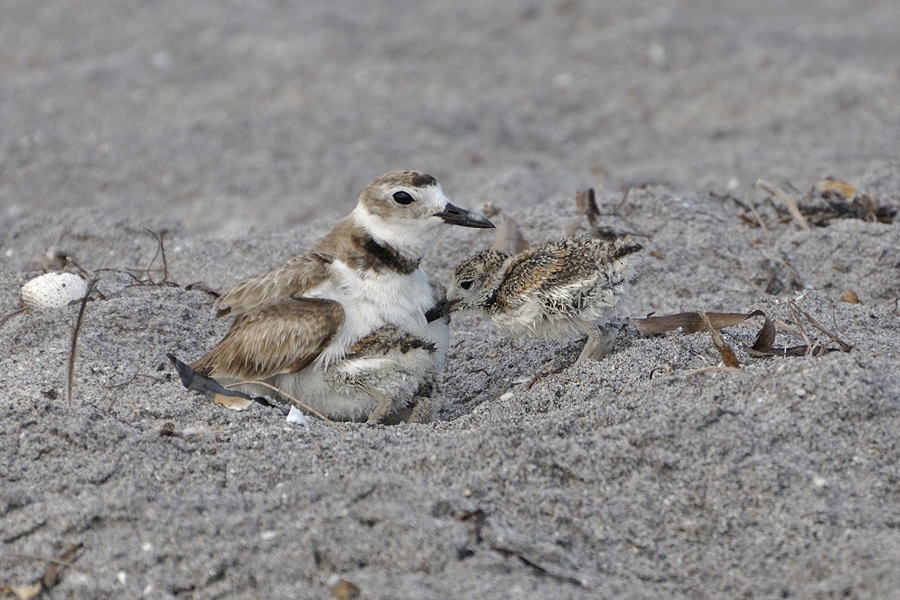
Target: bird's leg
{"points": [[417, 411], [401, 416], [384, 405], [600, 342]]}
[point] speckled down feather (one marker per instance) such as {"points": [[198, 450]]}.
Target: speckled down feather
{"points": [[550, 290]]}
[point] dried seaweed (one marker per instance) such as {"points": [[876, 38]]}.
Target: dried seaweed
{"points": [[15, 313], [764, 346], [844, 346], [828, 200], [477, 521], [765, 339], [143, 276], [536, 567], [690, 322], [834, 199]]}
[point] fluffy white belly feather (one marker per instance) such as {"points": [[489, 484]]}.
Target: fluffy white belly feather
{"points": [[556, 318], [334, 385], [349, 390], [374, 300]]}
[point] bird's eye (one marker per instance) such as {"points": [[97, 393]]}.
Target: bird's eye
{"points": [[467, 284], [403, 198]]}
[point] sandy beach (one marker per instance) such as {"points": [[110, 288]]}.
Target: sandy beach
{"points": [[240, 133]]}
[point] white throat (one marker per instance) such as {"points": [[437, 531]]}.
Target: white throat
{"points": [[412, 237]]}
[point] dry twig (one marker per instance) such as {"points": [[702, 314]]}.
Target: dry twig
{"points": [[144, 275], [788, 201], [14, 313], [724, 349], [799, 325], [844, 345], [50, 577], [586, 203], [73, 349]]}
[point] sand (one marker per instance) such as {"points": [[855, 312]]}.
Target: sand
{"points": [[244, 131]]}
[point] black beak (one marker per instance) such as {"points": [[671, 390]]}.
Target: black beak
{"points": [[455, 215], [440, 310], [627, 249]]}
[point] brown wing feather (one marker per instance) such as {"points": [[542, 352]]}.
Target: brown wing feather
{"points": [[530, 267], [570, 263], [281, 337], [294, 277]]}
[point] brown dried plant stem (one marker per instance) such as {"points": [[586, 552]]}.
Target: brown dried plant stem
{"points": [[50, 577], [724, 349], [846, 347], [14, 313], [806, 340], [788, 201], [160, 252], [73, 349], [144, 275]]}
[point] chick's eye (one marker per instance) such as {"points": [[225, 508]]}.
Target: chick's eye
{"points": [[467, 284], [403, 198]]}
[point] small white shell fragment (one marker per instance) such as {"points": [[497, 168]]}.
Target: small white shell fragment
{"points": [[297, 416], [53, 290]]}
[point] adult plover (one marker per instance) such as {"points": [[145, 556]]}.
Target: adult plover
{"points": [[550, 290], [349, 313]]}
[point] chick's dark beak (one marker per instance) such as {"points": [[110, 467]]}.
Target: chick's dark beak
{"points": [[440, 310], [455, 215]]}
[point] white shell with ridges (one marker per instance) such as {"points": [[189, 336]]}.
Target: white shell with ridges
{"points": [[53, 290]]}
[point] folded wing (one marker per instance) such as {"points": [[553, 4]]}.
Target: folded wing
{"points": [[528, 272], [281, 337], [293, 278]]}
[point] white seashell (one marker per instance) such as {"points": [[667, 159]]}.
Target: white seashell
{"points": [[53, 290], [295, 416]]}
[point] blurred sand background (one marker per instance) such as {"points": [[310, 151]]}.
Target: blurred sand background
{"points": [[246, 130]]}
